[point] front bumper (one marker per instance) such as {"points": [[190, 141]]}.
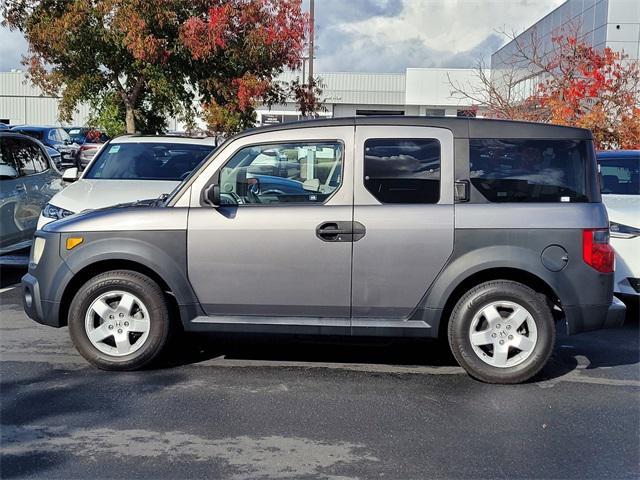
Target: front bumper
{"points": [[42, 311], [585, 318], [43, 285]]}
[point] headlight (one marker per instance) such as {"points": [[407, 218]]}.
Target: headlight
{"points": [[619, 230], [37, 249], [51, 211]]}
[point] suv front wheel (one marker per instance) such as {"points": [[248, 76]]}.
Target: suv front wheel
{"points": [[502, 332], [119, 320]]}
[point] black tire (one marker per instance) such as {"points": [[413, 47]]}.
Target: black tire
{"points": [[148, 292], [477, 299]]}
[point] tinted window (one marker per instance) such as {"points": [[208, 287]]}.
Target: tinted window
{"points": [[286, 173], [620, 176], [147, 161], [77, 135], [531, 170], [38, 161], [402, 171], [7, 159], [32, 133], [24, 154]]}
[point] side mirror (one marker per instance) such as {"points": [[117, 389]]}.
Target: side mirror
{"points": [[7, 171], [212, 195], [70, 174], [311, 185]]}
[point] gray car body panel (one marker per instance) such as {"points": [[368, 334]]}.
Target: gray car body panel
{"points": [[262, 269]]}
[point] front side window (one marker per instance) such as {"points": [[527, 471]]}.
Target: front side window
{"points": [[522, 170], [402, 170], [305, 173], [147, 161], [620, 176]]}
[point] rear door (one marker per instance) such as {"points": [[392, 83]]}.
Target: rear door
{"points": [[269, 251], [403, 195]]}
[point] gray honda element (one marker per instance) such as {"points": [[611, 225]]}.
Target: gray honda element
{"points": [[482, 232]]}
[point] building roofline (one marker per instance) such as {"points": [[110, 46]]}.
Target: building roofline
{"points": [[531, 26]]}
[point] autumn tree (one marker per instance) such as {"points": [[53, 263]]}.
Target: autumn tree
{"points": [[237, 49], [570, 83], [161, 58], [308, 96]]}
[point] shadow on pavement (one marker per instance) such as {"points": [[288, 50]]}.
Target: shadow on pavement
{"points": [[591, 350], [194, 348]]}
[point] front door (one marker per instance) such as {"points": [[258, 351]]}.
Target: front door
{"points": [[403, 195], [269, 251], [18, 218]]}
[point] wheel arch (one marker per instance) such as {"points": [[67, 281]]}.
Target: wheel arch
{"points": [[159, 255], [514, 274], [96, 268]]}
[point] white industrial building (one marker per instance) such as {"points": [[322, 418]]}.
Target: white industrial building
{"points": [[418, 91], [600, 23]]}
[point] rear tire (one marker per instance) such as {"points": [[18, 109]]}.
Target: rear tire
{"points": [[119, 320], [502, 332]]}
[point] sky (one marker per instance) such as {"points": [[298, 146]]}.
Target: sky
{"points": [[391, 35]]}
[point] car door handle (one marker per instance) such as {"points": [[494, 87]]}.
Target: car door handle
{"points": [[340, 231], [334, 231]]}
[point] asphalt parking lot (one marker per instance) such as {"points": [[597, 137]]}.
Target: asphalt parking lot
{"points": [[286, 408]]}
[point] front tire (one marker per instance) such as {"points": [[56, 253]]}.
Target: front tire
{"points": [[502, 332], [119, 320]]}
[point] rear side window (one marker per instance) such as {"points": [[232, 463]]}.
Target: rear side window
{"points": [[402, 170], [519, 170]]}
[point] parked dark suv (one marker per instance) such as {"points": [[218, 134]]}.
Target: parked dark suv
{"points": [[54, 137], [483, 232]]}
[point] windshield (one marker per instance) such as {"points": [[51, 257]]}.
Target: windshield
{"points": [[620, 176], [147, 161]]}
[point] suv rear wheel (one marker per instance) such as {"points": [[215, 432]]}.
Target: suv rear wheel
{"points": [[502, 332], [119, 320]]}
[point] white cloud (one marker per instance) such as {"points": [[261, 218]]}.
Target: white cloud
{"points": [[12, 47], [418, 33]]}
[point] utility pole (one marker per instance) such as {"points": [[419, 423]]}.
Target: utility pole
{"points": [[311, 39]]}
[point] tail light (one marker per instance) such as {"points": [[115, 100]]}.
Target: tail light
{"points": [[596, 251]]}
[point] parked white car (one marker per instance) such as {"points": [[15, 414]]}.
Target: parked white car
{"points": [[128, 169], [620, 183]]}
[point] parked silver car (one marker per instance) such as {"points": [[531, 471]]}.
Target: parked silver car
{"points": [[481, 232], [28, 179]]}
